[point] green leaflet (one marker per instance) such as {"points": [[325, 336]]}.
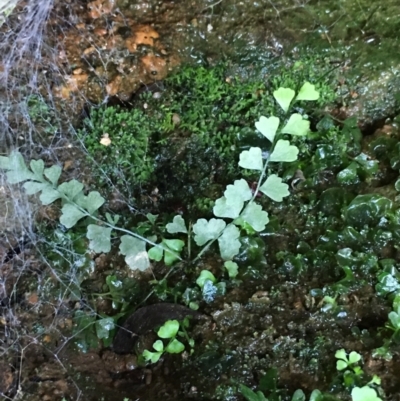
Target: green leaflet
{"points": [[239, 190], [298, 395], [175, 347], [37, 167], [135, 253], [158, 346], [365, 393], [307, 92], [174, 245], [92, 202], [284, 96], [169, 329], [32, 187], [228, 208], [49, 195], [177, 225], [251, 159], [53, 174], [251, 395], [104, 326], [229, 243], [207, 230], [18, 171], [169, 248], [284, 152], [112, 219], [204, 276], [100, 238], [230, 205], [232, 268], [71, 189], [70, 215], [274, 188], [394, 318], [152, 218], [296, 126], [268, 127], [156, 253], [153, 357], [17, 176], [255, 216]]}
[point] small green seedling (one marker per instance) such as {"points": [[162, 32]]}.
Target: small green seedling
{"points": [[330, 303], [376, 380], [384, 351], [232, 268], [169, 331], [365, 393], [209, 286], [299, 395], [345, 361], [394, 325], [349, 365], [174, 245]]}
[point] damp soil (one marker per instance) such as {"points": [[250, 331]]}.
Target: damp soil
{"points": [[275, 316]]}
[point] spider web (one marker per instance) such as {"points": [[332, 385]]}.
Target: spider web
{"points": [[33, 317]]}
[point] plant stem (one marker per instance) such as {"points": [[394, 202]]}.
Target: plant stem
{"points": [[260, 180], [118, 228]]}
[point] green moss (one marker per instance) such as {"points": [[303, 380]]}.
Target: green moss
{"points": [[187, 141], [126, 157]]}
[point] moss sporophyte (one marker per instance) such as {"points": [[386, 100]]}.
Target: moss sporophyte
{"points": [[370, 391]]}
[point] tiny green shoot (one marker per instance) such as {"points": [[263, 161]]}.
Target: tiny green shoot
{"points": [[169, 331]]}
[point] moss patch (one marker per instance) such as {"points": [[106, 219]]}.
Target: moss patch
{"points": [[185, 137]]}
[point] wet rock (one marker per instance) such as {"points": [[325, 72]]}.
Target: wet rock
{"points": [[367, 210], [231, 315], [377, 100], [119, 363], [111, 58], [332, 200]]}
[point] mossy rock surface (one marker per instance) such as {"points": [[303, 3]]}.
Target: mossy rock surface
{"points": [[184, 135]]}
